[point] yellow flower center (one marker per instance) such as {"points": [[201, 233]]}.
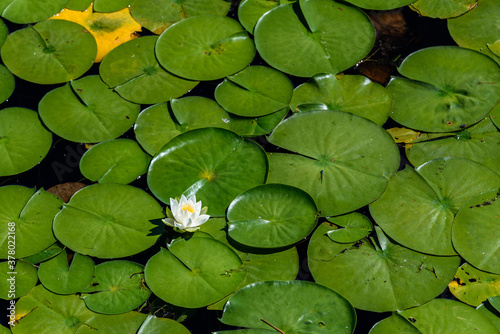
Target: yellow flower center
{"points": [[187, 207]]}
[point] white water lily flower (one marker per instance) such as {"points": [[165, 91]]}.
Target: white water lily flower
{"points": [[187, 214]]}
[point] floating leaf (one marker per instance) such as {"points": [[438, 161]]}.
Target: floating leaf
{"points": [[116, 161], [128, 322], [418, 207], [80, 5], [159, 15], [108, 6], [355, 227], [154, 325], [394, 324], [132, 66], [222, 48], [57, 276], [30, 11], [476, 231], [49, 52], [250, 11], [491, 313], [87, 111], [328, 37], [473, 286], [17, 278], [336, 151], [45, 254], [214, 164], [118, 287], [291, 307], [375, 274], [350, 93], [108, 29], [24, 142], [7, 83], [444, 9], [257, 126], [446, 88], [381, 4], [271, 216], [201, 271], [103, 212]]}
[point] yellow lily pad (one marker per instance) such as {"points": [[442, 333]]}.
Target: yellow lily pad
{"points": [[108, 29]]}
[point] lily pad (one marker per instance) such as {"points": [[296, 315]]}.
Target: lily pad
{"points": [[495, 116], [154, 325], [336, 151], [132, 66], [418, 207], [201, 271], [17, 278], [478, 143], [250, 11], [79, 4], [491, 313], [30, 11], [328, 37], [214, 164], [394, 324], [59, 277], [194, 112], [473, 286], [355, 227], [116, 161], [87, 111], [271, 216], [222, 47], [446, 88], [255, 91], [103, 212], [377, 274], [26, 220], [50, 52], [108, 6], [381, 4], [257, 126], [7, 83], [159, 15], [444, 9], [128, 322], [45, 254], [24, 142], [289, 307], [476, 231], [478, 28], [60, 314], [442, 316], [117, 287], [350, 93]]}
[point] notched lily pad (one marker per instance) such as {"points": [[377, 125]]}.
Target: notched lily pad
{"points": [[30, 11], [355, 227], [17, 278], [473, 286]]}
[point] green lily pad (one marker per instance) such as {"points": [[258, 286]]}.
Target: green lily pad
{"points": [[495, 116], [201, 271], [257, 126], [473, 286], [159, 15], [289, 307], [222, 47], [107, 6], [132, 66], [355, 227], [30, 11], [271, 216], [45, 254], [494, 47], [102, 212], [418, 207], [116, 161], [154, 325], [442, 316], [380, 4], [444, 9], [214, 164], [328, 37], [478, 28], [255, 91], [59, 277], [260, 265], [250, 11], [336, 151], [394, 324], [495, 302], [26, 220], [24, 142], [128, 322], [44, 312], [377, 274], [87, 111], [350, 93], [4, 330], [194, 112], [478, 143], [7, 83], [490, 313], [79, 5], [118, 287], [476, 230], [446, 88], [4, 32], [17, 278], [50, 52]]}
